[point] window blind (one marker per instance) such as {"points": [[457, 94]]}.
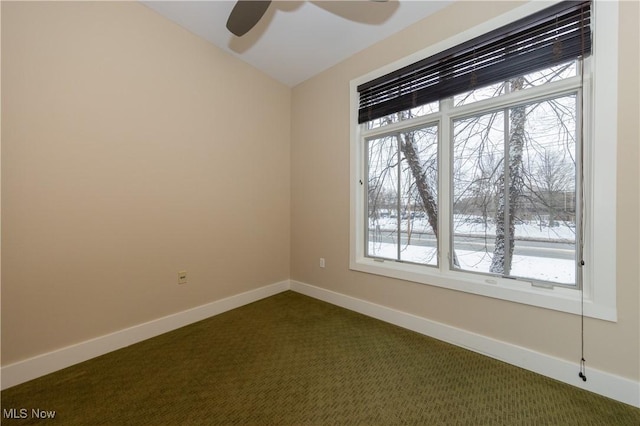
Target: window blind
{"points": [[551, 36]]}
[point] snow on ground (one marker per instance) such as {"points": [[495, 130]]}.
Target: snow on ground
{"points": [[537, 268], [531, 267]]}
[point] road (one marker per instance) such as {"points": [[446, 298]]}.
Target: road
{"points": [[547, 249]]}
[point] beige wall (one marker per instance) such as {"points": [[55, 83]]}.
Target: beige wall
{"points": [[131, 149], [320, 208]]}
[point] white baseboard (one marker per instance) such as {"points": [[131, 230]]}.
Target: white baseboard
{"points": [[23, 371], [600, 382]]}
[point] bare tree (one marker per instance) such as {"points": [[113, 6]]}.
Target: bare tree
{"points": [[425, 191], [509, 188], [549, 183]]}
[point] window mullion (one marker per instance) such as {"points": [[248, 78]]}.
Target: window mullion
{"points": [[445, 200], [507, 194], [399, 188]]}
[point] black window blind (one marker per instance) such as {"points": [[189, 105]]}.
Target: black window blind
{"points": [[551, 36]]}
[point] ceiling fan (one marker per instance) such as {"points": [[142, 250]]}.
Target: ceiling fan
{"points": [[246, 14]]}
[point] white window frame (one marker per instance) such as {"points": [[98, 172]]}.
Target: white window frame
{"points": [[597, 298]]}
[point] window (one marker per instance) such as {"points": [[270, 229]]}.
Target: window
{"points": [[402, 192], [475, 178], [514, 191]]}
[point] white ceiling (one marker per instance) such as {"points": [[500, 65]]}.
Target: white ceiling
{"points": [[296, 40]]}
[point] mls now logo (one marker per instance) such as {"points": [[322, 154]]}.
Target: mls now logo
{"points": [[23, 413]]}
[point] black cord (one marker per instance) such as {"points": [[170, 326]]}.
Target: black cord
{"points": [[582, 374]]}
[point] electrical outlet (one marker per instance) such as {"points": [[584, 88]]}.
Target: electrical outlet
{"points": [[182, 277], [322, 262]]}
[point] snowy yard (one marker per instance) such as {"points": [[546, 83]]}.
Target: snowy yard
{"points": [[548, 266], [470, 225]]}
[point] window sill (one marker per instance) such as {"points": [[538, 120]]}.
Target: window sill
{"points": [[556, 298]]}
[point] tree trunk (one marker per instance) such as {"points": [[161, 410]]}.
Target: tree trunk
{"points": [[408, 149], [511, 191]]}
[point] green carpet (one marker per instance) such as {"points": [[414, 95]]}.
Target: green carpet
{"points": [[294, 360]]}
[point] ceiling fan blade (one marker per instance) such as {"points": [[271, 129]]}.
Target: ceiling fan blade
{"points": [[246, 14]]}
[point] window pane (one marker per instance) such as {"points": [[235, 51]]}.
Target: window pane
{"points": [[558, 72], [479, 94], [538, 78], [402, 196], [478, 155], [545, 230], [521, 224], [419, 111], [419, 196], [382, 188]]}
